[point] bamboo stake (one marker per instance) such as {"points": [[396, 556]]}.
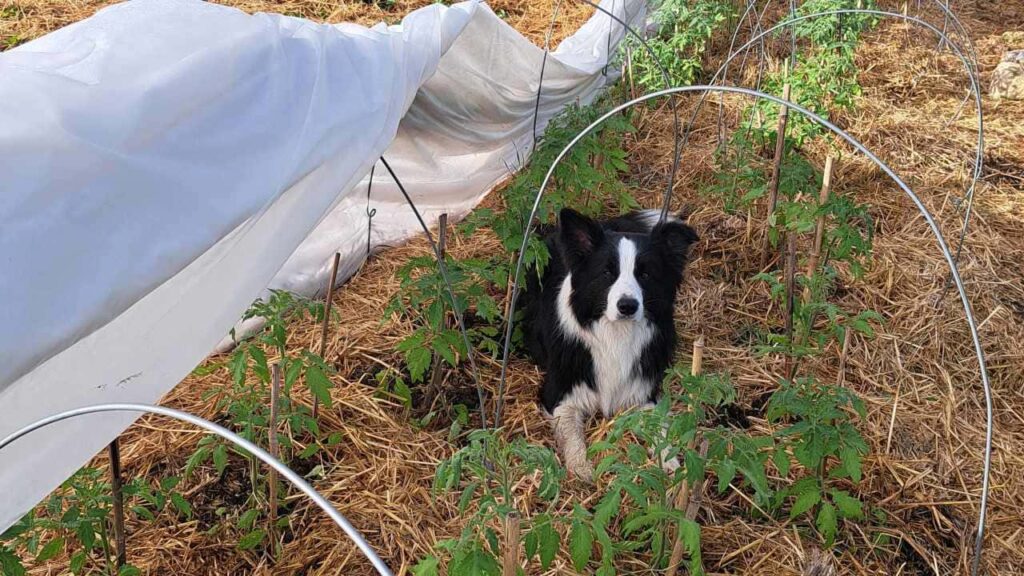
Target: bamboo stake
{"points": [[511, 565], [114, 452], [773, 184], [629, 72], [275, 451], [327, 319], [819, 230], [698, 357], [790, 297], [682, 497], [437, 372]]}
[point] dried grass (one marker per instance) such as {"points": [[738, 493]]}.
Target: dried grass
{"points": [[919, 376]]}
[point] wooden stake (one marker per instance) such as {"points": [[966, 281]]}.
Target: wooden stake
{"points": [[819, 230], [773, 184], [275, 451], [790, 297], [437, 371], [511, 565], [114, 452], [327, 320], [682, 497]]}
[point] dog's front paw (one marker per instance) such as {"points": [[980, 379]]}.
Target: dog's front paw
{"points": [[582, 470], [670, 466]]}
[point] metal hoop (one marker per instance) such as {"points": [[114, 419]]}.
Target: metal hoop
{"points": [[954, 272], [676, 144], [500, 396], [971, 74], [235, 439], [443, 269]]}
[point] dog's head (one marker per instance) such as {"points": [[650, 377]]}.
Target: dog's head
{"points": [[623, 276]]}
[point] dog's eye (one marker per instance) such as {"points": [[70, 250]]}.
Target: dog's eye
{"points": [[645, 275], [607, 272]]}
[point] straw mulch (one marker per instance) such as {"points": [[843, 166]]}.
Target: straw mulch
{"points": [[919, 376], [23, 20]]}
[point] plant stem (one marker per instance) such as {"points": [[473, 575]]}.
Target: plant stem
{"points": [[790, 298], [275, 388], [437, 371], [843, 355], [117, 496]]}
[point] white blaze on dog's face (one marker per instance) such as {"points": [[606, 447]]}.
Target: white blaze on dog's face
{"points": [[622, 276], [625, 296]]}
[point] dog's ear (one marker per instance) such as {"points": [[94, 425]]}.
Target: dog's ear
{"points": [[578, 235], [674, 238]]}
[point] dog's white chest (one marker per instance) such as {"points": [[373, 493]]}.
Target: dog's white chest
{"points": [[616, 348]]}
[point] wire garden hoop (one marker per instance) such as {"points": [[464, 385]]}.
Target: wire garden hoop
{"points": [[290, 475], [943, 246]]}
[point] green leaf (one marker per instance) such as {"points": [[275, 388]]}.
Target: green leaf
{"points": [[805, 502], [196, 459], [86, 534], [418, 361], [781, 459], [252, 539], [10, 564], [849, 506], [467, 496], [182, 505], [445, 351], [474, 562], [581, 545], [238, 364], [52, 548], [401, 389], [548, 542], [319, 384], [851, 463], [144, 513], [129, 570], [726, 471], [492, 539], [530, 542], [248, 519], [260, 363], [220, 458], [309, 451], [292, 373], [689, 531], [77, 562], [827, 523], [428, 566]]}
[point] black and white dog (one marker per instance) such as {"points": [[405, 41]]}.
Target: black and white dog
{"points": [[600, 321]]}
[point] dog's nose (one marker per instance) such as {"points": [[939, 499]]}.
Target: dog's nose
{"points": [[628, 306]]}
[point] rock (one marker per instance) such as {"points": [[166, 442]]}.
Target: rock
{"points": [[1008, 78]]}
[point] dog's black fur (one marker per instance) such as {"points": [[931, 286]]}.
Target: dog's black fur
{"points": [[589, 250]]}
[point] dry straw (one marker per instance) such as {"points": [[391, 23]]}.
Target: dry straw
{"points": [[923, 468]]}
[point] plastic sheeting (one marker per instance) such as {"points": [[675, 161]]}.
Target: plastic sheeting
{"points": [[165, 161]]}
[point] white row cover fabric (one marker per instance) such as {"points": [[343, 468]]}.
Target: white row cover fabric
{"points": [[165, 161]]}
